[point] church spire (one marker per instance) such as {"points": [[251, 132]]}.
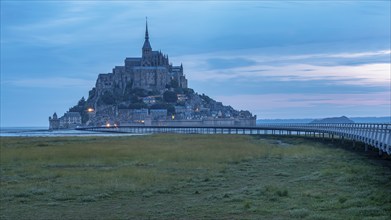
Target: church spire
{"points": [[147, 46], [146, 29]]}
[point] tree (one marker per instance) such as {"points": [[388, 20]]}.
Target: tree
{"points": [[91, 93], [154, 92], [108, 98], [140, 92], [79, 107], [174, 84], [134, 99], [170, 110], [206, 98], [178, 90], [81, 102], [169, 96], [122, 106], [188, 91]]}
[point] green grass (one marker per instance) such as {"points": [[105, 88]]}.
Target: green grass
{"points": [[190, 177]]}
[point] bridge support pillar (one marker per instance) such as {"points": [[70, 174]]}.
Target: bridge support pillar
{"points": [[380, 152]]}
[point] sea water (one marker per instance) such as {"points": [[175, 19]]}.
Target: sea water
{"points": [[44, 132]]}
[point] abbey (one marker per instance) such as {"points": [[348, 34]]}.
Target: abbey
{"points": [[152, 71], [148, 90]]}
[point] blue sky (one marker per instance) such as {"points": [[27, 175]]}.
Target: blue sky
{"points": [[294, 59]]}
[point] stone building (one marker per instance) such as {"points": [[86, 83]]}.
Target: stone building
{"points": [[158, 114], [152, 71], [68, 120], [54, 123], [140, 114]]}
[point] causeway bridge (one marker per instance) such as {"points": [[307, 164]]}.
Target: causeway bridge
{"points": [[372, 135]]}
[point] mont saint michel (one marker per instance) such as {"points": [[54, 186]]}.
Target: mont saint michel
{"points": [[148, 90]]}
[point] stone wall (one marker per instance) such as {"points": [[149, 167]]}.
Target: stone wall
{"points": [[151, 78]]}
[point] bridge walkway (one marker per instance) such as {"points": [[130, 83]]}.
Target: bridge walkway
{"points": [[374, 135]]}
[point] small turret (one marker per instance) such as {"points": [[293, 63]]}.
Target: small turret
{"points": [[54, 123]]}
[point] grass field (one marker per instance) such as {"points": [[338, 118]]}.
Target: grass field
{"points": [[190, 177]]}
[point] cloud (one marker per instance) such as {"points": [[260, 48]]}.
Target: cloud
{"points": [[216, 63], [319, 103], [314, 59], [277, 55], [55, 82], [377, 74], [58, 23], [374, 72], [74, 22], [362, 54]]}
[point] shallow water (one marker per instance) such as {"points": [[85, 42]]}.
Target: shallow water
{"points": [[44, 132]]}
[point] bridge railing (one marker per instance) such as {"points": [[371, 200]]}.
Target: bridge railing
{"points": [[375, 135]]}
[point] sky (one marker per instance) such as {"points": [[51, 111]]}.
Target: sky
{"points": [[278, 59]]}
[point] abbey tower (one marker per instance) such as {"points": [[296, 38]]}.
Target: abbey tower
{"points": [[152, 71]]}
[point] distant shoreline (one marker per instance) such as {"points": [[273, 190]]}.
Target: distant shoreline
{"points": [[382, 119]]}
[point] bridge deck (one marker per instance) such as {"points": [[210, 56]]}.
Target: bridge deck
{"points": [[375, 135]]}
